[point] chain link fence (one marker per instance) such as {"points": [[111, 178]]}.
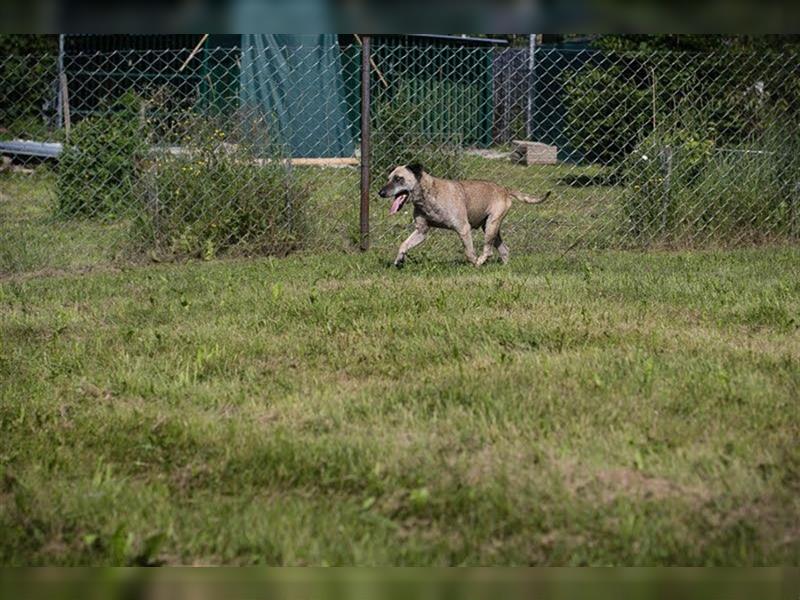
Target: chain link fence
{"points": [[156, 155]]}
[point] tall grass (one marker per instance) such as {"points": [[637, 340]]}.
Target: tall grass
{"points": [[682, 187]]}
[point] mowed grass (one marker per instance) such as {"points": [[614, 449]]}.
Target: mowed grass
{"points": [[600, 408]]}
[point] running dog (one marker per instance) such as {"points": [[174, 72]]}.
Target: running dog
{"points": [[449, 204]]}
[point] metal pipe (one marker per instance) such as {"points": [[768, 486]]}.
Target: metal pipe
{"points": [[365, 142], [59, 98], [531, 83]]}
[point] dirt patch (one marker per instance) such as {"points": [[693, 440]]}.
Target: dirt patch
{"points": [[609, 484], [630, 482]]}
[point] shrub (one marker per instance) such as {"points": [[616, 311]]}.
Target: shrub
{"points": [[214, 197], [400, 136], [99, 167], [680, 185], [612, 98], [749, 192], [28, 65], [661, 164], [605, 112]]}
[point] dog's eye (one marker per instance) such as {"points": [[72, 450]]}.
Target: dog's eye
{"points": [[398, 179]]}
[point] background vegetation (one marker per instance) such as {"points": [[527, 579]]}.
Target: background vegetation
{"points": [[100, 167], [218, 196]]}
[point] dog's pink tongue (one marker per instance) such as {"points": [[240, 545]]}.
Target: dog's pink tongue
{"points": [[398, 202]]}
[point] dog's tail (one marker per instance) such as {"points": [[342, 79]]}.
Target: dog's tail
{"points": [[529, 199]]}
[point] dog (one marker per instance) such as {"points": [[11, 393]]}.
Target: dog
{"points": [[450, 204]]}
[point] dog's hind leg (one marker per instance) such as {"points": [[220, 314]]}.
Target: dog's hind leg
{"points": [[502, 249], [491, 233]]}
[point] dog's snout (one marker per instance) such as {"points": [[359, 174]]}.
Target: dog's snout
{"points": [[383, 193]]}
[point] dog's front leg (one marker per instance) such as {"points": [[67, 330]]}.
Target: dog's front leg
{"points": [[466, 238], [415, 239]]}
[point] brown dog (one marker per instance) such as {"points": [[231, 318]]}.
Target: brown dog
{"points": [[448, 204]]}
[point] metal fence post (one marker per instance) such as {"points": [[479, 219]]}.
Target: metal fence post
{"points": [[60, 99], [531, 84], [365, 100]]}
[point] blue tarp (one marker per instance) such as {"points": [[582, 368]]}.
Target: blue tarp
{"points": [[295, 81]]}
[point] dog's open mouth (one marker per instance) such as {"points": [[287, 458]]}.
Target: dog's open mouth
{"points": [[398, 202]]}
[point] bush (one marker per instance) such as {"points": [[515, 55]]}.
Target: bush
{"points": [[681, 185], [28, 66], [214, 197], [399, 136], [750, 192], [606, 111], [611, 99], [661, 164], [99, 167]]}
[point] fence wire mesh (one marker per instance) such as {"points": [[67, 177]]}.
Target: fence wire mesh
{"points": [[152, 155]]}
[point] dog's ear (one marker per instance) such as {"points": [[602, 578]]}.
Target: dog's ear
{"points": [[416, 169]]}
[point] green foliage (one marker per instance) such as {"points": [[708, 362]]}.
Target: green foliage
{"points": [[401, 134], [669, 159], [605, 112], [27, 70], [681, 184], [214, 197], [15, 43], [99, 167], [694, 42], [751, 191], [616, 98]]}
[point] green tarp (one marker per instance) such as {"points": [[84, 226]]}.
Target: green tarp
{"points": [[295, 81]]}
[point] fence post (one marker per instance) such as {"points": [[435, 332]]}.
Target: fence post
{"points": [[531, 84], [65, 106], [60, 99], [365, 151]]}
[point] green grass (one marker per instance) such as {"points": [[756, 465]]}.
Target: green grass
{"points": [[32, 238], [607, 408]]}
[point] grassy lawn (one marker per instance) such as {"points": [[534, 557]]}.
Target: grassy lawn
{"points": [[604, 408], [33, 239]]}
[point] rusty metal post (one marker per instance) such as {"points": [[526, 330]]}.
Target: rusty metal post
{"points": [[365, 151]]}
